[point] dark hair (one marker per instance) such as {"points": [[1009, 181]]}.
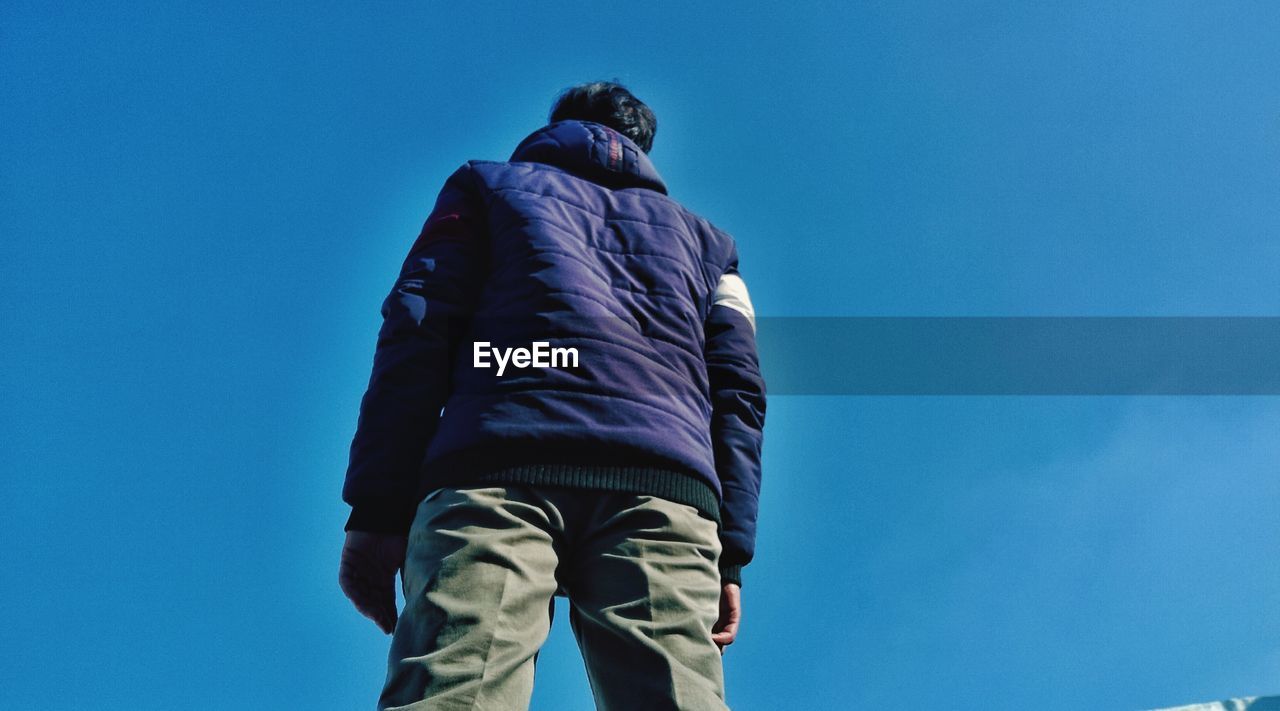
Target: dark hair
{"points": [[611, 104]]}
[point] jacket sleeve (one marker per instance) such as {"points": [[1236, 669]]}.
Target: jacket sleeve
{"points": [[423, 319], [737, 418]]}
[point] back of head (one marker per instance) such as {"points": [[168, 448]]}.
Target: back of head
{"points": [[610, 104]]}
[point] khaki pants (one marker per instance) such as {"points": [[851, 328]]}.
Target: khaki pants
{"points": [[482, 570]]}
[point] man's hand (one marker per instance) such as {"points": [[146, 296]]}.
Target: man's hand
{"points": [[726, 628], [367, 574]]}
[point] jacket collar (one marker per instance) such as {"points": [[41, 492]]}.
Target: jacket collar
{"points": [[592, 151]]}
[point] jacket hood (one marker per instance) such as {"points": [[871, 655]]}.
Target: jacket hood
{"points": [[592, 151]]}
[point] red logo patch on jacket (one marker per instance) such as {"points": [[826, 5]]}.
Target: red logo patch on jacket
{"points": [[449, 226]]}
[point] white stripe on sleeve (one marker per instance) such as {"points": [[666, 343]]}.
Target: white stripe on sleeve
{"points": [[732, 292]]}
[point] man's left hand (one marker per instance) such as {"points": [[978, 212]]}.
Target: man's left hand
{"points": [[726, 628]]}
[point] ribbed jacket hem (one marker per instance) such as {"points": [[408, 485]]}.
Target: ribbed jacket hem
{"points": [[663, 483]]}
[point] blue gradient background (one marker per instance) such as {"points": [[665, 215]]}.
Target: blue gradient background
{"points": [[202, 207]]}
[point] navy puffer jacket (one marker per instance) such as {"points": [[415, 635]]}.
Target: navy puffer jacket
{"points": [[575, 243]]}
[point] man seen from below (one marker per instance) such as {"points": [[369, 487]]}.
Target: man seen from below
{"points": [[625, 478]]}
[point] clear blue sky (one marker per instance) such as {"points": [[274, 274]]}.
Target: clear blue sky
{"points": [[202, 207]]}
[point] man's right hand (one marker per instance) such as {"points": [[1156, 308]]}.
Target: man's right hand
{"points": [[367, 574]]}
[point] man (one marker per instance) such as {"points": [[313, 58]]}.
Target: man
{"points": [[625, 476]]}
